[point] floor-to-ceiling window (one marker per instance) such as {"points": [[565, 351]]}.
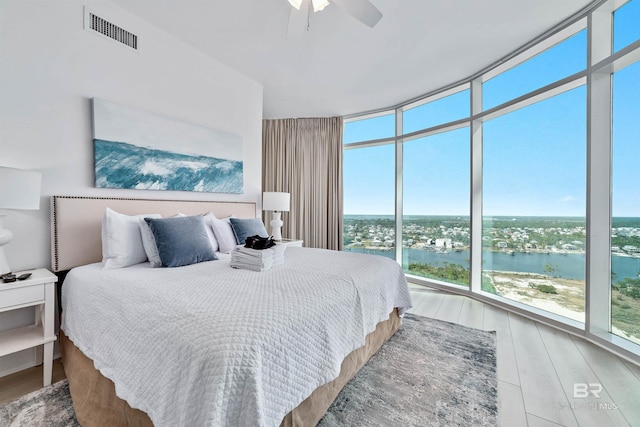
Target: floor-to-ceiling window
{"points": [[435, 187], [369, 187], [625, 206], [517, 186], [534, 189], [435, 223]]}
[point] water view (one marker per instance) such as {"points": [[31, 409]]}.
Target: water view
{"points": [[539, 261]]}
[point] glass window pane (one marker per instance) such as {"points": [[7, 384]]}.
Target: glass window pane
{"points": [[625, 208], [443, 110], [564, 59], [370, 129], [435, 227], [369, 200], [626, 25], [533, 237]]}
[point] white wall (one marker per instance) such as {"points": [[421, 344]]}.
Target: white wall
{"points": [[50, 68]]}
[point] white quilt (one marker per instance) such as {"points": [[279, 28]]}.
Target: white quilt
{"points": [[209, 345]]}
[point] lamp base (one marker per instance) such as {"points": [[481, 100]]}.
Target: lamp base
{"points": [[276, 225], [5, 237]]}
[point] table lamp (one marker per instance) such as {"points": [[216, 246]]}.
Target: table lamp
{"points": [[19, 189], [277, 203]]}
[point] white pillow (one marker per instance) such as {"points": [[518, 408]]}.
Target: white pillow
{"points": [[122, 240], [208, 219], [223, 233], [149, 244]]}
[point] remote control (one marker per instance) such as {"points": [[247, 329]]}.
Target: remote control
{"points": [[24, 276]]}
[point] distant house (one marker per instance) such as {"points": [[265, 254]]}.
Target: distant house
{"points": [[630, 249], [443, 243]]}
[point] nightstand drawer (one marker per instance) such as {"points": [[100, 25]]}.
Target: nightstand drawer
{"points": [[21, 296]]}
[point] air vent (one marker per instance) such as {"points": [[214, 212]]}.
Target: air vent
{"points": [[100, 25]]}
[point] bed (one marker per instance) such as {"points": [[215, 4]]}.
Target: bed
{"points": [[206, 344]]}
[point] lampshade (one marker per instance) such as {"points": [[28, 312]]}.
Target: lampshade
{"points": [[274, 201], [19, 189]]}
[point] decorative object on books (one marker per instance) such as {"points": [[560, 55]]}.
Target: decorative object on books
{"points": [[277, 202], [19, 189], [449, 369], [440, 374], [139, 150], [259, 242]]}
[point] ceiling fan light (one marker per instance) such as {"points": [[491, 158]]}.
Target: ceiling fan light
{"points": [[296, 3], [318, 5]]}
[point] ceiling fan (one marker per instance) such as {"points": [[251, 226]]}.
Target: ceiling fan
{"points": [[363, 10]]}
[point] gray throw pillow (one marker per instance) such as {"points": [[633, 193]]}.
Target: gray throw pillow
{"points": [[243, 228], [181, 241]]}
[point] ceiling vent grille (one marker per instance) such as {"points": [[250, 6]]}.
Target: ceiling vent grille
{"points": [[100, 25]]}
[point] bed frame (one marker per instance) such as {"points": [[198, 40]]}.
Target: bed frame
{"points": [[76, 224]]}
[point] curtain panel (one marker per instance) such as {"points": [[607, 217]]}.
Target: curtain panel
{"points": [[303, 157]]}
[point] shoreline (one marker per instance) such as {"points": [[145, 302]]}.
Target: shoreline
{"points": [[466, 249]]}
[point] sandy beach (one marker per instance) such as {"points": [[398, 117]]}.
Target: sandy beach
{"points": [[567, 302]]}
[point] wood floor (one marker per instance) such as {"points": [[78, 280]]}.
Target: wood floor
{"points": [[537, 369], [24, 382]]}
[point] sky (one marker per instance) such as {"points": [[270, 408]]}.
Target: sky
{"points": [[534, 159]]}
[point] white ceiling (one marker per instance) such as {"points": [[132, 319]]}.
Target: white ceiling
{"points": [[343, 67]]}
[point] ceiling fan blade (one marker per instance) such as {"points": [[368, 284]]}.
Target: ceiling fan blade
{"points": [[298, 21], [363, 10]]}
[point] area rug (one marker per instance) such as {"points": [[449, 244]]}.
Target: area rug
{"points": [[47, 407], [430, 373]]}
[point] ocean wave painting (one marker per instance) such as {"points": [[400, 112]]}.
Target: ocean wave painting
{"points": [[134, 149], [122, 165]]}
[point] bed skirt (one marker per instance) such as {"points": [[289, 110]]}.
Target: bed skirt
{"points": [[96, 404]]}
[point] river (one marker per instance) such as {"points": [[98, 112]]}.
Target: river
{"points": [[567, 266]]}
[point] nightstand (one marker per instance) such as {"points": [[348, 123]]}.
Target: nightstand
{"points": [[39, 291], [291, 242]]}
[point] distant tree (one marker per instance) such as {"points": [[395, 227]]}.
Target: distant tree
{"points": [[553, 271]]}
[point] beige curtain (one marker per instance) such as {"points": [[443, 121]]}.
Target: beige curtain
{"points": [[303, 157]]}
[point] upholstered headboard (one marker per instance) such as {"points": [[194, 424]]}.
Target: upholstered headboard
{"points": [[76, 222]]}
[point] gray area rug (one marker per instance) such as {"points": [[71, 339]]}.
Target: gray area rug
{"points": [[430, 373], [47, 407]]}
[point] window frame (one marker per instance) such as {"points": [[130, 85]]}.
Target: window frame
{"points": [[602, 62]]}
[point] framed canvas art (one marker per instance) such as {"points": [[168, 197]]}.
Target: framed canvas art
{"points": [[135, 149]]}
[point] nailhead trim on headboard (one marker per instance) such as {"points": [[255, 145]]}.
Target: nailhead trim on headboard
{"points": [[55, 215]]}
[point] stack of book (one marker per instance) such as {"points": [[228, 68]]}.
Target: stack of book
{"points": [[257, 259]]}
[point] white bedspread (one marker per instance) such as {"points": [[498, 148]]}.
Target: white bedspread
{"points": [[209, 345]]}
